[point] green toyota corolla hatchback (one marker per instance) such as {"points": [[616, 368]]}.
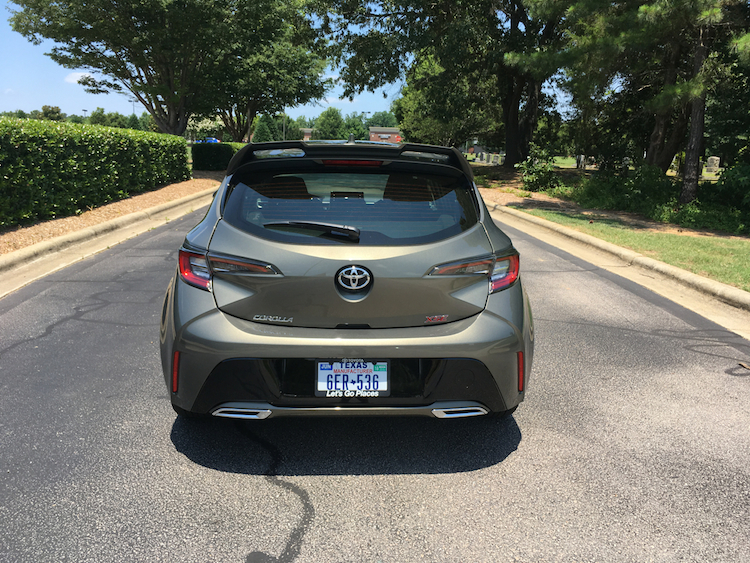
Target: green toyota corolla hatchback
{"points": [[338, 279]]}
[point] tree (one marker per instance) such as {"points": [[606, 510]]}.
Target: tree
{"points": [[354, 123], [728, 113], [154, 50], [269, 124], [382, 119], [52, 113], [287, 72], [262, 134], [330, 125], [133, 122], [659, 58], [379, 39], [438, 107], [113, 119]]}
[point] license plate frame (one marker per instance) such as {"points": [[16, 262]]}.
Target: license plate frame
{"points": [[358, 378]]}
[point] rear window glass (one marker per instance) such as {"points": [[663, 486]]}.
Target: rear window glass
{"points": [[329, 206]]}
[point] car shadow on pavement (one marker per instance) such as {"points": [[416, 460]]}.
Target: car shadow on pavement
{"points": [[346, 446]]}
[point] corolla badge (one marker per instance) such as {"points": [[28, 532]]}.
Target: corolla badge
{"points": [[354, 278], [273, 318]]}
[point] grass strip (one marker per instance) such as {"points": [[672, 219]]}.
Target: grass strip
{"points": [[726, 260]]}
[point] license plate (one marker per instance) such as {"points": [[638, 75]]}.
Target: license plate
{"points": [[352, 378]]}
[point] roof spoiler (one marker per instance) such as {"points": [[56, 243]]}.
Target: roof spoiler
{"points": [[366, 149]]}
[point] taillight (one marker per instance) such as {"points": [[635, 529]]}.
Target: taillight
{"points": [[464, 267], [199, 269], [229, 265], [502, 271], [194, 269]]}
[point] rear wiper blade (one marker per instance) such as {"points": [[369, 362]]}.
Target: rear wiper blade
{"points": [[330, 230]]}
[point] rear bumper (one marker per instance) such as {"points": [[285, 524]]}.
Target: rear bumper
{"points": [[226, 360]]}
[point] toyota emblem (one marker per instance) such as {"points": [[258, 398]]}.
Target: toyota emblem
{"points": [[354, 278]]}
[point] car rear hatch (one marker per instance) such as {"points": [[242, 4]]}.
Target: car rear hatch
{"points": [[337, 243]]}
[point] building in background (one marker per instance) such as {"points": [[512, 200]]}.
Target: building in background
{"points": [[385, 134]]}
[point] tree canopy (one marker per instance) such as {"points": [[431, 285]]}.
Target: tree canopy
{"points": [[330, 125], [177, 56]]}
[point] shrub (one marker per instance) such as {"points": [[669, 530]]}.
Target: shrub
{"points": [[732, 189], [640, 191], [649, 192], [539, 170], [54, 169], [214, 156]]}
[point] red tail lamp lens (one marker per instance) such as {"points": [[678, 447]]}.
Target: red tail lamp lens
{"points": [[521, 372], [504, 273], [175, 371], [194, 269]]}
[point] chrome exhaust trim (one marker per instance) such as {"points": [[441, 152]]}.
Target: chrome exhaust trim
{"points": [[460, 412], [261, 411], [242, 413]]}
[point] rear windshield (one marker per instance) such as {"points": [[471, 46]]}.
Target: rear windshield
{"points": [[340, 206]]}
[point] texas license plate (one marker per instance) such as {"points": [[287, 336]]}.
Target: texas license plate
{"points": [[352, 378]]}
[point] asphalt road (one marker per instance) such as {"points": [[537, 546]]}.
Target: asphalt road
{"points": [[632, 445]]}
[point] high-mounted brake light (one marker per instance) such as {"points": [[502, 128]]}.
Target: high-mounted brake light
{"points": [[372, 163], [502, 271]]}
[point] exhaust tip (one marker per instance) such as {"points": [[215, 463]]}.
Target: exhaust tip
{"points": [[243, 414], [459, 412]]}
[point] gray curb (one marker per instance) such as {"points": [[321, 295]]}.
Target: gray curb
{"points": [[31, 253], [726, 293]]}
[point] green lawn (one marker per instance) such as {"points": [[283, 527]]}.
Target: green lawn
{"points": [[565, 161], [722, 259]]}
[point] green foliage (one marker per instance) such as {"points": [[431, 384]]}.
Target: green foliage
{"points": [[53, 169], [52, 113], [112, 119], [163, 52], [265, 77], [732, 189], [437, 107], [382, 119], [214, 156], [262, 133], [355, 125], [330, 125], [648, 192], [267, 123], [539, 170]]}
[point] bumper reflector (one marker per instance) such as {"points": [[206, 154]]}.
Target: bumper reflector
{"points": [[521, 381], [175, 371]]}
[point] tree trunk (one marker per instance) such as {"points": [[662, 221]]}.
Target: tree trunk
{"points": [[697, 123], [661, 151]]}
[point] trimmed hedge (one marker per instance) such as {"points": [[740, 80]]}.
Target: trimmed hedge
{"points": [[213, 156], [52, 169]]}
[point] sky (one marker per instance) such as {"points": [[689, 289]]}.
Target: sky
{"points": [[29, 80]]}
